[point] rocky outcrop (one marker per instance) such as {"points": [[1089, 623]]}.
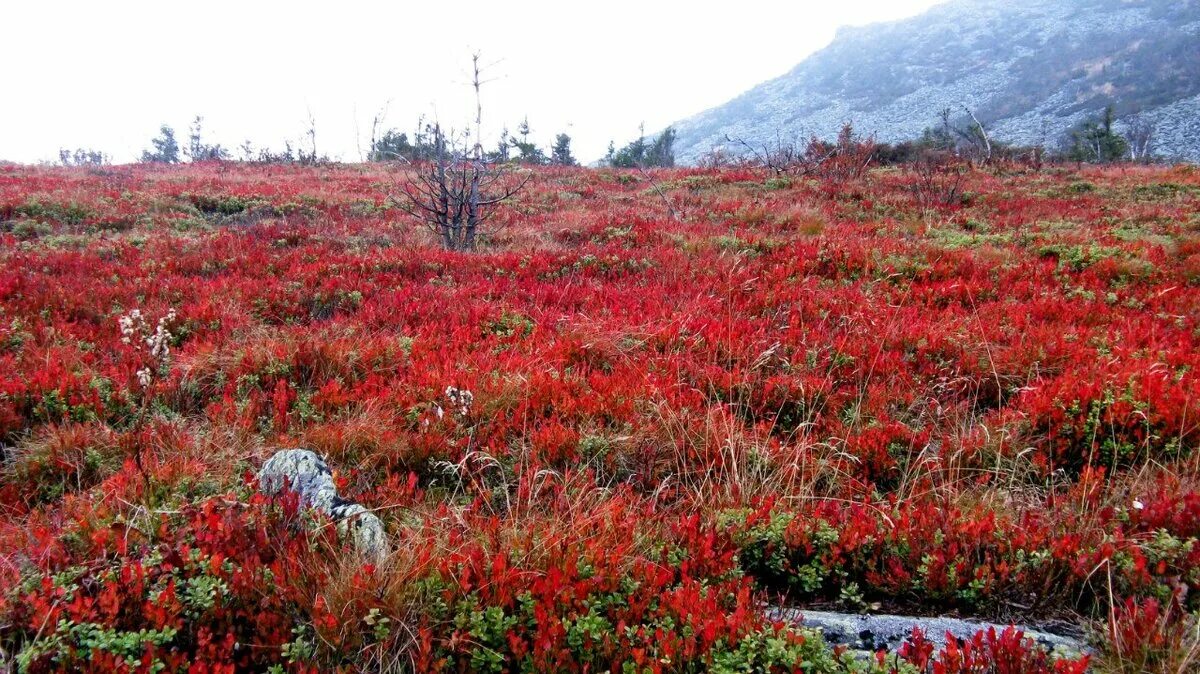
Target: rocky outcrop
{"points": [[1029, 69], [307, 474], [870, 633]]}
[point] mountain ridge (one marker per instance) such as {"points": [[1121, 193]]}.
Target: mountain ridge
{"points": [[1030, 70]]}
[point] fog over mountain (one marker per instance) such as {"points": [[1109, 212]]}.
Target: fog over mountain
{"points": [[1029, 69]]}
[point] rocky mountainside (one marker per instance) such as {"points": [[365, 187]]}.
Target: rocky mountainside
{"points": [[1029, 69]]}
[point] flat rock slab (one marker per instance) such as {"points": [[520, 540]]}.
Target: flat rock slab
{"points": [[871, 633]]}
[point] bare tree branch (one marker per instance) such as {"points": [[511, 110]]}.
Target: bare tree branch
{"points": [[456, 191]]}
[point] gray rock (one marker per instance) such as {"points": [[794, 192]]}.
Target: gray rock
{"points": [[307, 474], [870, 633], [1031, 69], [300, 471], [363, 527]]}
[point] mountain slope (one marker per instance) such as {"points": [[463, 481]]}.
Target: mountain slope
{"points": [[1029, 69]]}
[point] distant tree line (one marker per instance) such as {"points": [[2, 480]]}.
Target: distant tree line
{"points": [[1094, 140], [393, 144], [961, 137], [82, 157], [642, 153], [165, 148]]}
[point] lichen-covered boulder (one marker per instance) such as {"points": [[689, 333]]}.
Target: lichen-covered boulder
{"points": [[303, 472], [870, 633], [306, 474], [363, 527]]}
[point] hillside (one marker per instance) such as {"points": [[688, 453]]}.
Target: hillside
{"points": [[615, 438], [1030, 70]]}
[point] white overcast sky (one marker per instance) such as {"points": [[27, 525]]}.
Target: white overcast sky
{"points": [[105, 75]]}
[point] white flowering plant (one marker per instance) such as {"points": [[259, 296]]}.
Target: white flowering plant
{"points": [[152, 341]]}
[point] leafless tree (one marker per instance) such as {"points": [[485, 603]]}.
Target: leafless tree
{"points": [[456, 192], [1140, 136], [971, 139], [846, 158], [376, 127], [938, 179], [784, 157], [717, 158], [851, 156], [310, 131], [979, 135], [1035, 158]]}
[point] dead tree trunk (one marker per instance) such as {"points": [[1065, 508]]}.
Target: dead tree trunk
{"points": [[455, 193]]}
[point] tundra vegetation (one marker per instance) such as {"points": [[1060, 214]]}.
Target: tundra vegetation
{"points": [[643, 407]]}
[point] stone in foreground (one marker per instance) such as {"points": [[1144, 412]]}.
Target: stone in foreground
{"points": [[307, 474], [869, 633]]}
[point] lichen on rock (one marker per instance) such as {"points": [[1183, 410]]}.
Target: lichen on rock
{"points": [[305, 473], [869, 633]]}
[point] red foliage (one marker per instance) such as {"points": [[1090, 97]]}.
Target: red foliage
{"points": [[1008, 652], [812, 383]]}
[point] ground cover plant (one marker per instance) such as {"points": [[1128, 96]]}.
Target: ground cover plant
{"points": [[648, 406]]}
